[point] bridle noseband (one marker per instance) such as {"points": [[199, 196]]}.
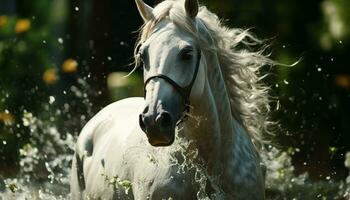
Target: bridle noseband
{"points": [[185, 92]]}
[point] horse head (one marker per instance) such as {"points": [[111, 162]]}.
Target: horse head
{"points": [[173, 72]]}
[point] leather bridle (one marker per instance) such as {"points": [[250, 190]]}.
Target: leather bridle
{"points": [[185, 92]]}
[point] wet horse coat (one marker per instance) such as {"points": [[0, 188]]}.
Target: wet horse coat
{"points": [[213, 155]]}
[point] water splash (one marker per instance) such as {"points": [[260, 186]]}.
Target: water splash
{"points": [[46, 160]]}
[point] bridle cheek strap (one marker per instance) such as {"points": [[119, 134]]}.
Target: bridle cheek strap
{"points": [[185, 92]]}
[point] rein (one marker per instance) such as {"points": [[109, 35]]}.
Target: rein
{"points": [[185, 92]]}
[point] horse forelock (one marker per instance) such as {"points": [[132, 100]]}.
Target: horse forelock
{"points": [[249, 97]]}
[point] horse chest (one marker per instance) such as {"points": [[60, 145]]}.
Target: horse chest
{"points": [[162, 180], [151, 176]]}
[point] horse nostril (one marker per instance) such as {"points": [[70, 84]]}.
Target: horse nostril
{"points": [[142, 123], [164, 121]]}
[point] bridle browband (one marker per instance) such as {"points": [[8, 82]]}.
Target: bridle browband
{"points": [[185, 92]]}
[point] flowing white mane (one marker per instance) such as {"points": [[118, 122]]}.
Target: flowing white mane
{"points": [[240, 67]]}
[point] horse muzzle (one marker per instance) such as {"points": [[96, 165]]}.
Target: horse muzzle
{"points": [[159, 127]]}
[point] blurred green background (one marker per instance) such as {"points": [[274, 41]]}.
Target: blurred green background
{"points": [[50, 51]]}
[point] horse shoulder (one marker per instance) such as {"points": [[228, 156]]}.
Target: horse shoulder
{"points": [[94, 129], [113, 116]]}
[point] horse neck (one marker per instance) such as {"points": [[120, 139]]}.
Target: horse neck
{"points": [[220, 139], [214, 132], [221, 108]]}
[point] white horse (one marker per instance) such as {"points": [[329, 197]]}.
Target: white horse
{"points": [[196, 69]]}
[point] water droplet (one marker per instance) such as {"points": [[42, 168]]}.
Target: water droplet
{"points": [[44, 41], [76, 8], [109, 58], [51, 100], [60, 40], [319, 69], [340, 42], [285, 82]]}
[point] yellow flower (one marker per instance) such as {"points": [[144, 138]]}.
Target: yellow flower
{"points": [[343, 81], [3, 20], [7, 118], [22, 25], [50, 76], [70, 66]]}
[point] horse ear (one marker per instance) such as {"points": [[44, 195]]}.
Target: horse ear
{"points": [[191, 7], [144, 10]]}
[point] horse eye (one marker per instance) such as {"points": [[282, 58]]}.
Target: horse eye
{"points": [[186, 54]]}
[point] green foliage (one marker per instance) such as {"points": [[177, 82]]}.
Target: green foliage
{"points": [[28, 50]]}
